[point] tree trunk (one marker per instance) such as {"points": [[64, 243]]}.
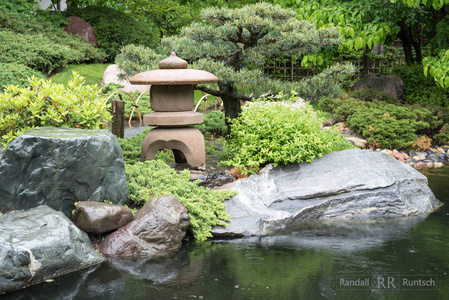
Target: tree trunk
{"points": [[406, 38], [231, 101], [365, 60]]}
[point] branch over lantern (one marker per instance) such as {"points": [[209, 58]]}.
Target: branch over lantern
{"points": [[172, 100]]}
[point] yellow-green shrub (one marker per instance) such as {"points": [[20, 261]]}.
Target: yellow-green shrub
{"points": [[47, 104]]}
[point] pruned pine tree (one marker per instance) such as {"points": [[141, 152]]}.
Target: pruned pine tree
{"points": [[233, 44]]}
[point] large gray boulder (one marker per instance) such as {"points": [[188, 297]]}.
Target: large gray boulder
{"points": [[347, 184], [110, 75], [41, 244], [159, 228], [61, 166], [391, 84]]}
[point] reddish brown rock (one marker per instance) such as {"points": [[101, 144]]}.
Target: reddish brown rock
{"points": [[159, 227], [83, 29], [100, 217], [399, 156]]}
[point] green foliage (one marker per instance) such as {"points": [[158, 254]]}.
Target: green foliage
{"points": [[213, 124], [115, 28], [47, 104], [134, 59], [16, 74], [132, 148], [442, 137], [205, 207], [279, 133], [387, 125], [142, 98], [40, 45], [342, 107], [20, 6], [92, 73], [438, 68], [419, 88]]}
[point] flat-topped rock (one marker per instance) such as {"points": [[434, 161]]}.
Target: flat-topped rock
{"points": [[347, 184], [61, 166], [180, 118]]}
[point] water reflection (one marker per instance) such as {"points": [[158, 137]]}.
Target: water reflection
{"points": [[307, 262]]}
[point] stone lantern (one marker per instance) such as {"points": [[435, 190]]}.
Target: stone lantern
{"points": [[172, 100]]}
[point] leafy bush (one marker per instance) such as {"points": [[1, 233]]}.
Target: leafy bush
{"points": [[213, 124], [134, 59], [21, 6], [115, 28], [48, 104], [419, 88], [40, 45], [442, 137], [342, 107], [16, 74], [388, 125], [143, 104], [278, 133], [205, 207]]}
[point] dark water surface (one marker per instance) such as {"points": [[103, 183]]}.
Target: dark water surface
{"points": [[385, 259]]}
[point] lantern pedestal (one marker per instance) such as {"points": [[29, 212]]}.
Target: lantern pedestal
{"points": [[187, 145]]}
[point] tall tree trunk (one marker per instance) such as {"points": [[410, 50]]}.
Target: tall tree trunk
{"points": [[406, 38], [231, 101], [365, 60]]}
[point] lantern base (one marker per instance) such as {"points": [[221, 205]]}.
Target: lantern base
{"points": [[187, 145]]}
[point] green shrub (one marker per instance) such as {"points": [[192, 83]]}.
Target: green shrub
{"points": [[16, 74], [340, 108], [213, 124], [442, 137], [277, 133], [205, 207], [40, 45], [388, 125], [21, 6], [115, 29], [419, 88], [143, 103], [134, 59], [48, 104]]}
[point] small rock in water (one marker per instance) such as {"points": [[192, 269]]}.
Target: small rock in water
{"points": [[420, 165], [438, 165]]}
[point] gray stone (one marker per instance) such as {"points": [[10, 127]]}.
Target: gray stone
{"points": [[159, 228], [41, 244], [341, 185], [110, 75], [391, 84], [100, 217], [61, 166]]}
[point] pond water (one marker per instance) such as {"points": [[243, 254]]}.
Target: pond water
{"points": [[385, 259]]}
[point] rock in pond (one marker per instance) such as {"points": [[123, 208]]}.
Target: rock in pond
{"points": [[100, 217], [41, 244], [159, 227], [61, 166], [346, 184]]}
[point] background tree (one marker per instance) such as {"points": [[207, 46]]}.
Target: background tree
{"points": [[234, 43]]}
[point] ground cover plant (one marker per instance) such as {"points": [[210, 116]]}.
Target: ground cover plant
{"points": [[276, 132], [205, 207], [41, 45], [16, 74], [44, 103]]}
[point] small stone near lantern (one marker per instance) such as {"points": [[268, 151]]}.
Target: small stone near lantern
{"points": [[172, 99]]}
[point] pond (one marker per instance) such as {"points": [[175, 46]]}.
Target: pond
{"points": [[385, 259]]}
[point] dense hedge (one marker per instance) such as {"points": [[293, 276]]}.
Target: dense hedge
{"points": [[16, 74], [115, 29], [40, 45]]}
